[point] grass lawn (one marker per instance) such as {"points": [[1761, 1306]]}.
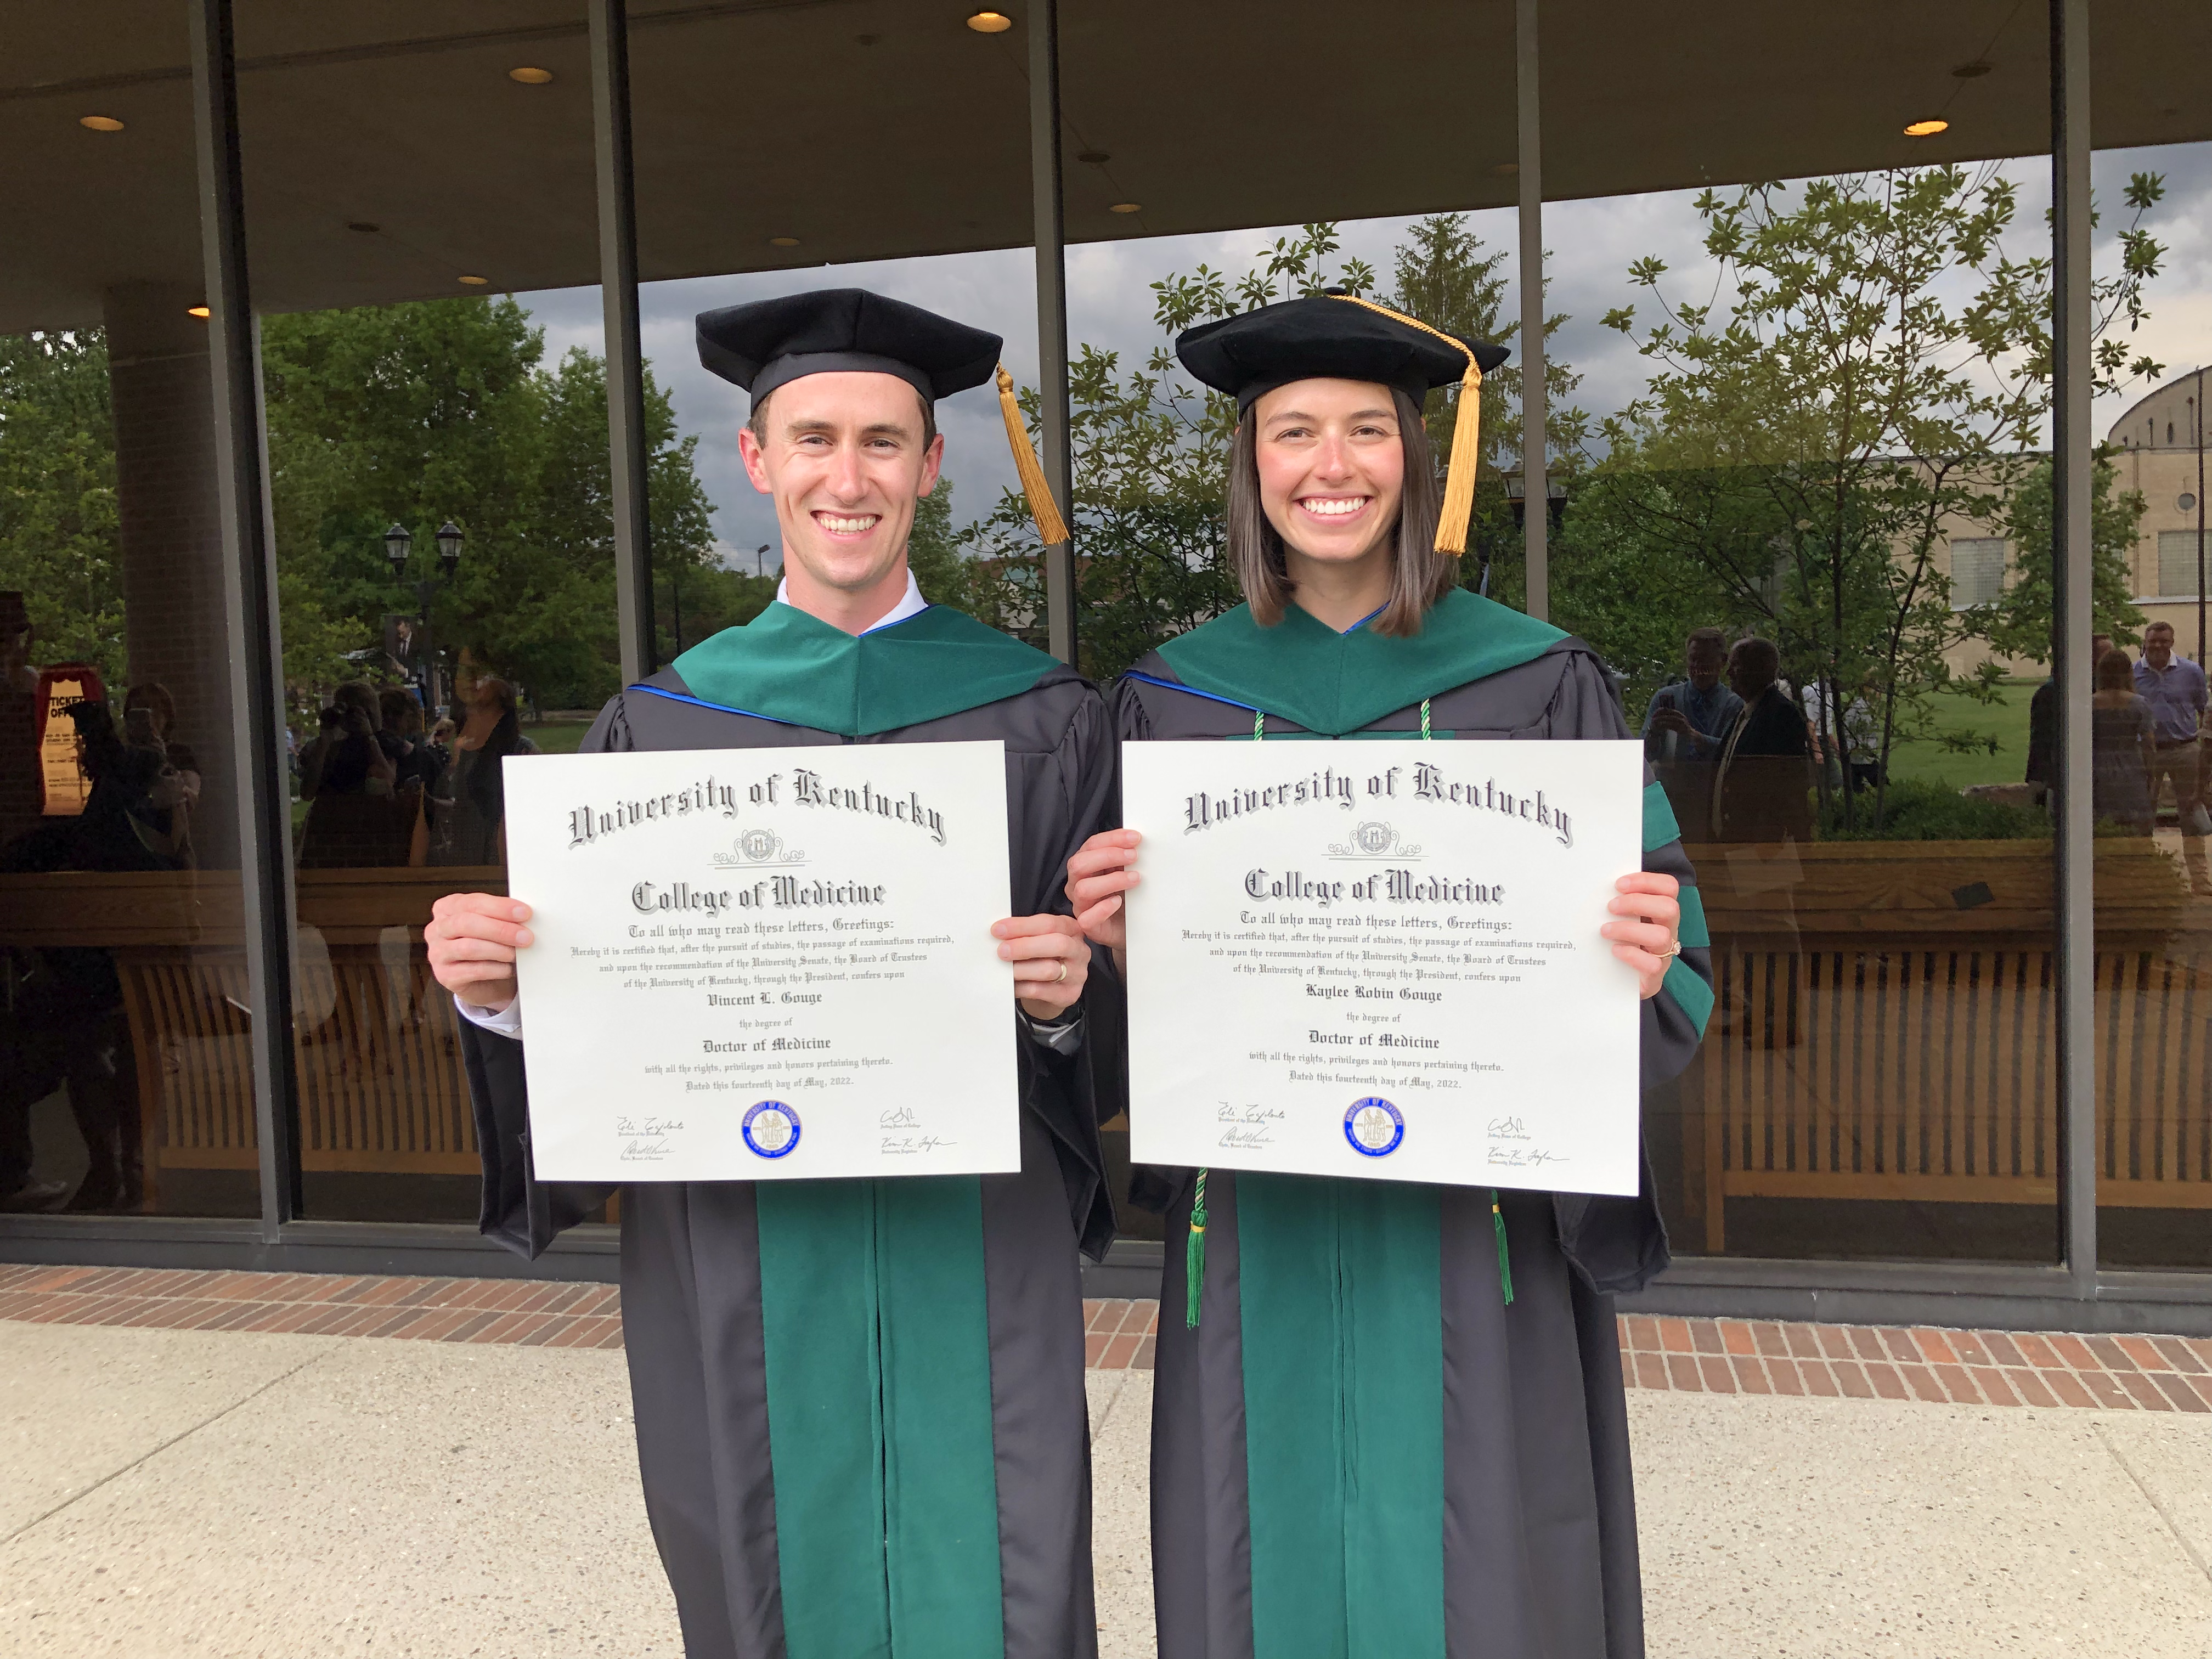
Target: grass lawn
{"points": [[2007, 720], [562, 736]]}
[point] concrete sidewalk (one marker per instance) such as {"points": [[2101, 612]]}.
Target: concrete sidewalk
{"points": [[235, 1493]]}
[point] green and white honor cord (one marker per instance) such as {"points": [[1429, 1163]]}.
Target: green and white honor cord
{"points": [[1193, 1272]]}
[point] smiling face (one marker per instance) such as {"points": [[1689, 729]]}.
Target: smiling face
{"points": [[1332, 471], [845, 460]]}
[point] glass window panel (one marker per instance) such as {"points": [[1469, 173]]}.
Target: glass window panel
{"points": [[124, 1083], [421, 238], [1977, 570], [2178, 562], [1754, 535], [2153, 888]]}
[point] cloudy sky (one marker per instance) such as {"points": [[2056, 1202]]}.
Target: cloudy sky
{"points": [[1110, 305]]}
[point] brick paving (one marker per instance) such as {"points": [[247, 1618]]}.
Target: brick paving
{"points": [[1693, 1355], [1938, 1367]]}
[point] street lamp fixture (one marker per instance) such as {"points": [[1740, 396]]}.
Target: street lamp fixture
{"points": [[449, 547], [398, 544]]}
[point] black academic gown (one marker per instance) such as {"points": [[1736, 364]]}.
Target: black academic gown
{"points": [[1285, 1521], [894, 1578]]}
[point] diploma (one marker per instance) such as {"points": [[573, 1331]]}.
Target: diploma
{"points": [[1381, 960], [765, 964]]}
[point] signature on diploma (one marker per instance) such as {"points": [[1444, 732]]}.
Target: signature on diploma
{"points": [[898, 1117], [1506, 1128], [1224, 1113], [1524, 1158], [909, 1145], [1245, 1136], [644, 1151], [646, 1127]]}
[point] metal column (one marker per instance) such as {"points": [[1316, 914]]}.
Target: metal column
{"points": [[1050, 235], [617, 196], [2071, 620], [249, 584], [1536, 488]]}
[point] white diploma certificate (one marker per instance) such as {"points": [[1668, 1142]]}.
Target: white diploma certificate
{"points": [[761, 964], [1381, 960]]}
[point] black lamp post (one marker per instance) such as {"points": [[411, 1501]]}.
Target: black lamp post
{"points": [[399, 545]]}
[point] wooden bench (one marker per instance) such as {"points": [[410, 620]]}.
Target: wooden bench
{"points": [[1885, 1027], [380, 1084]]}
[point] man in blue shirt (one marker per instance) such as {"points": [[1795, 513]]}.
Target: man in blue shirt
{"points": [[2174, 687], [1697, 712]]}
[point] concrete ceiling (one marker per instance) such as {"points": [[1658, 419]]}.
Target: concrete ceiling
{"points": [[874, 129]]}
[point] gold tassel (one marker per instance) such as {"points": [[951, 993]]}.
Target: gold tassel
{"points": [[1467, 436], [1051, 529]]}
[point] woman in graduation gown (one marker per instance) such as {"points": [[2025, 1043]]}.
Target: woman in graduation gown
{"points": [[859, 1404], [1389, 1421]]}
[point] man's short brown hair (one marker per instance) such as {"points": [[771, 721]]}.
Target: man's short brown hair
{"points": [[2150, 629]]}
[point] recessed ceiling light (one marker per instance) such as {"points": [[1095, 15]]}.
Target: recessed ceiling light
{"points": [[783, 241], [1127, 207], [531, 76], [99, 123], [363, 227], [1972, 71], [196, 310], [1927, 129], [1095, 158], [476, 281], [1506, 169], [990, 23]]}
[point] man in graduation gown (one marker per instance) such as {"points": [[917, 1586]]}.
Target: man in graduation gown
{"points": [[860, 1404], [1393, 1425]]}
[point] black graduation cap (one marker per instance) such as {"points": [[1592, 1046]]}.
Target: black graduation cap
{"points": [[771, 342], [1341, 336]]}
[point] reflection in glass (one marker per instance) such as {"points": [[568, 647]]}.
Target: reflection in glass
{"points": [[123, 1013], [438, 474], [2154, 882], [1808, 541]]}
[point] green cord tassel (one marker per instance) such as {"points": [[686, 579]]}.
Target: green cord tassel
{"points": [[1505, 1261], [1259, 724], [1194, 1262], [1424, 719]]}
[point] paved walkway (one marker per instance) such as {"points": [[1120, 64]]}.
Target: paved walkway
{"points": [[168, 1487]]}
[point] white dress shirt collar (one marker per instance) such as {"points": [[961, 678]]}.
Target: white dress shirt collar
{"points": [[912, 604]]}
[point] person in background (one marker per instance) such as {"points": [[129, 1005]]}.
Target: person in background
{"points": [[1760, 790], [1859, 765], [2042, 720], [2174, 687], [22, 797], [1690, 719], [470, 806], [402, 717], [441, 741], [2122, 747], [149, 715]]}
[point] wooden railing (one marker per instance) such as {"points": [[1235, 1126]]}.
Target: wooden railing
{"points": [[381, 1083], [1885, 1027]]}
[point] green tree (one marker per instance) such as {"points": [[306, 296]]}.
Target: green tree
{"points": [[1877, 372], [59, 542], [443, 409], [2019, 622]]}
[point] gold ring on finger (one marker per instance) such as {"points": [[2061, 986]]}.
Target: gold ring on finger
{"points": [[1061, 975]]}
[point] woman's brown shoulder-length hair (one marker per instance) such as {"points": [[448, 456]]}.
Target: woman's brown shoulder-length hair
{"points": [[1420, 575]]}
